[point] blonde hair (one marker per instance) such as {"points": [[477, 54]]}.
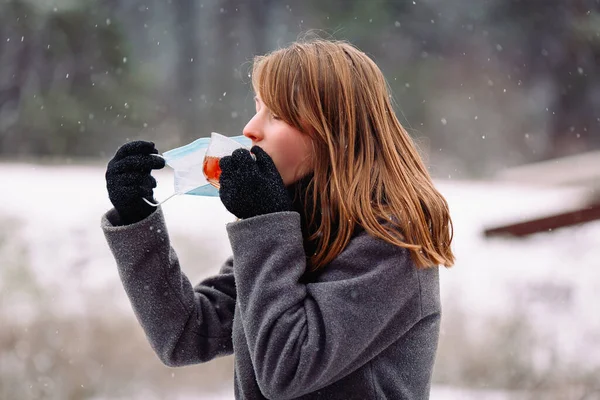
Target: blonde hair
{"points": [[367, 170]]}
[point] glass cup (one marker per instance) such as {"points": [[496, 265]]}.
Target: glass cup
{"points": [[218, 147]]}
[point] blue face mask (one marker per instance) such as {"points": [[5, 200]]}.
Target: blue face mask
{"points": [[188, 163]]}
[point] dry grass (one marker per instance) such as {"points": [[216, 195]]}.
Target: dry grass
{"points": [[48, 354], [504, 354], [103, 353]]}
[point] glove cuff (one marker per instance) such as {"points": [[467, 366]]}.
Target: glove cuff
{"points": [[131, 215]]}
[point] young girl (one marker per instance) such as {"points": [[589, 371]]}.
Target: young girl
{"points": [[332, 291]]}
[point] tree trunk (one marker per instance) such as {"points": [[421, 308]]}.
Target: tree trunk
{"points": [[187, 78]]}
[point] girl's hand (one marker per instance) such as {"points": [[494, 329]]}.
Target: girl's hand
{"points": [[249, 188], [128, 180]]}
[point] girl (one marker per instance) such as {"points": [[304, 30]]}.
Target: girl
{"points": [[332, 291]]}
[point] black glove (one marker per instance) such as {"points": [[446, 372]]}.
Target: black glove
{"points": [[250, 188], [128, 180]]}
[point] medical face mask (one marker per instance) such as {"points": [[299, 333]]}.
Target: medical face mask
{"points": [[196, 165]]}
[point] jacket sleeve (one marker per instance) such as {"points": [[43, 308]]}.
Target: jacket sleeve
{"points": [[303, 337], [184, 324]]}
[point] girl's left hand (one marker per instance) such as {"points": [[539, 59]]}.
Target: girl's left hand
{"points": [[249, 188]]}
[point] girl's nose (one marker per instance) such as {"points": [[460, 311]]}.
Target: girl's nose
{"points": [[252, 130]]}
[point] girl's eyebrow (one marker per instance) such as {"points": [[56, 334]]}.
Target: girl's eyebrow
{"points": [[257, 103]]}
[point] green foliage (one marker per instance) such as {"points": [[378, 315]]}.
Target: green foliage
{"points": [[178, 68], [77, 88]]}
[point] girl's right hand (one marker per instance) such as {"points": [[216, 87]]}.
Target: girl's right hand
{"points": [[128, 180], [251, 187]]}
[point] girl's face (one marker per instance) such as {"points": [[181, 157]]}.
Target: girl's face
{"points": [[289, 148]]}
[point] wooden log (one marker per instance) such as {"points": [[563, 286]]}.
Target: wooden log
{"points": [[548, 223]]}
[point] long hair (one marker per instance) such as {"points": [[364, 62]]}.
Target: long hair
{"points": [[366, 168]]}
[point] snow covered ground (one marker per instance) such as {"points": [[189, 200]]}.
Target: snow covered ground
{"points": [[437, 393], [552, 278]]}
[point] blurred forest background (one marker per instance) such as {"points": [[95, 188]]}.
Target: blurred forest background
{"points": [[515, 80]]}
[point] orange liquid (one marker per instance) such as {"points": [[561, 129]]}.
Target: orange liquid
{"points": [[212, 171]]}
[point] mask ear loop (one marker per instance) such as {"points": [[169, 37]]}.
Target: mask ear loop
{"points": [[161, 202]]}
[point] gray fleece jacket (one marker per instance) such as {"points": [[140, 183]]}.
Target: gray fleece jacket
{"points": [[366, 328]]}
